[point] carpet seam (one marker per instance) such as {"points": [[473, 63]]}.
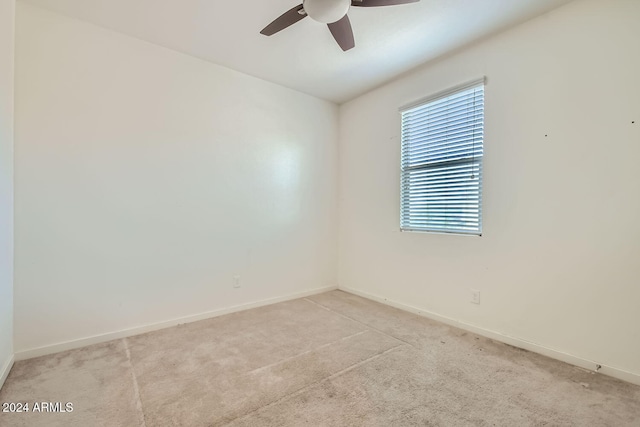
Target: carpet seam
{"points": [[306, 352], [136, 388], [362, 323], [314, 384]]}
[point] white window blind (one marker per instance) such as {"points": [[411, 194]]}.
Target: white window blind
{"points": [[442, 148]]}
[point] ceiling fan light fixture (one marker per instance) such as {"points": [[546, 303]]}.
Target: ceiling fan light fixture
{"points": [[326, 11], [330, 12]]}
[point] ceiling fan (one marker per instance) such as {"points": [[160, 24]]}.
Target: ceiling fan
{"points": [[330, 12]]}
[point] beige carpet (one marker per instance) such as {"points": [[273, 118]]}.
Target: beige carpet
{"points": [[332, 359]]}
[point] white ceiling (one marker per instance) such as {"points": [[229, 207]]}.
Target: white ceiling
{"points": [[389, 40]]}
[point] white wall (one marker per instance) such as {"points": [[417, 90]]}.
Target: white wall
{"points": [[146, 179], [7, 8], [559, 262]]}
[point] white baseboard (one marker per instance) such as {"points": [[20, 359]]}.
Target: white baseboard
{"points": [[83, 342], [4, 373], [516, 342]]}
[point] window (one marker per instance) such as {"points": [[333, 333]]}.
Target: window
{"points": [[442, 147]]}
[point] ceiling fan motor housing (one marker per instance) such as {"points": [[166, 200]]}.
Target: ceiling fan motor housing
{"points": [[326, 11]]}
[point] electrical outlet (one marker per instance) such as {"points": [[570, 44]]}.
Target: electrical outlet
{"points": [[475, 296], [236, 281]]}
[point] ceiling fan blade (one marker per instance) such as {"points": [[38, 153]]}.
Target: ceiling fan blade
{"points": [[375, 3], [288, 18], [342, 32]]}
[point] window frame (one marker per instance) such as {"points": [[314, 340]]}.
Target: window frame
{"points": [[431, 99]]}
